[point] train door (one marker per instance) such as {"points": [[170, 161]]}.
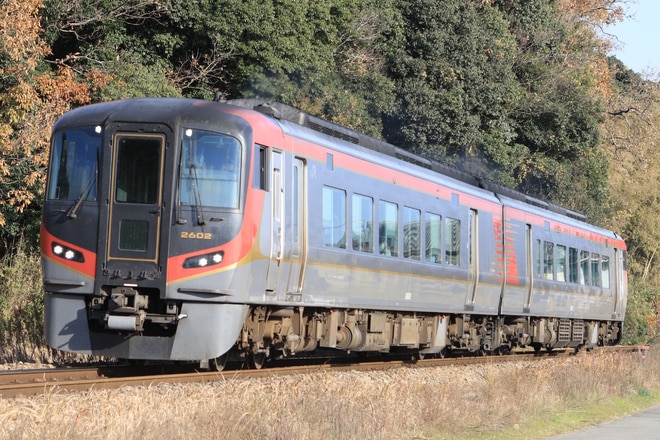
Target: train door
{"points": [[619, 285], [529, 278], [473, 260], [288, 236], [277, 231], [134, 205], [296, 227]]}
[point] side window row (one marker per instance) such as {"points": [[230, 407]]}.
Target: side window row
{"points": [[556, 262], [422, 232]]}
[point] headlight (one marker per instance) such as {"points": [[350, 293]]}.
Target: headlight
{"points": [[67, 253], [204, 260]]}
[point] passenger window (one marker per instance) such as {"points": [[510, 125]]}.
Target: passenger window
{"points": [[363, 223], [453, 242], [595, 270], [334, 217], [433, 227], [573, 265], [260, 171], [388, 229], [605, 272], [411, 232], [548, 260], [585, 280], [560, 253]]}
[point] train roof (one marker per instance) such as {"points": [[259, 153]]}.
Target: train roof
{"points": [[168, 111], [288, 113], [160, 109]]}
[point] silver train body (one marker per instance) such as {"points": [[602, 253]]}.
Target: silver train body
{"points": [[328, 240]]}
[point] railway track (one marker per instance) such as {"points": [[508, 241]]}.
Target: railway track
{"points": [[34, 382]]}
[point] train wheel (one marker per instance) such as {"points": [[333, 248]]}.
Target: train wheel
{"points": [[256, 360], [218, 364]]}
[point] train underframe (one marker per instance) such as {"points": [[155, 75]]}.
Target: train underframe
{"points": [[270, 332], [276, 332]]}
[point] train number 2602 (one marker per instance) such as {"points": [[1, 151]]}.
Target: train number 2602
{"points": [[196, 235]]}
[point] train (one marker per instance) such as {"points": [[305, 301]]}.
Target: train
{"points": [[192, 230]]}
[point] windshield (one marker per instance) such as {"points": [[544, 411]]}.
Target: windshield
{"points": [[209, 171], [73, 164]]}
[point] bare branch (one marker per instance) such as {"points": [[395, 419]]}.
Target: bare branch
{"points": [[621, 111], [77, 15], [200, 68]]}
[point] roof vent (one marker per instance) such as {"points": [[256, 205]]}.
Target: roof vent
{"points": [[267, 109]]}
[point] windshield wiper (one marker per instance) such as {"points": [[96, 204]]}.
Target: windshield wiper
{"points": [[198, 196], [72, 212]]}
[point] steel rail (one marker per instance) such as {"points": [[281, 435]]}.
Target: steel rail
{"points": [[25, 383]]}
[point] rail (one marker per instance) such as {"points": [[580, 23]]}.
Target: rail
{"points": [[26, 383]]}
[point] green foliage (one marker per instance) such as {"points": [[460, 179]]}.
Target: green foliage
{"points": [[21, 307], [562, 121], [641, 322], [21, 227], [241, 42], [559, 118], [580, 185], [481, 85], [454, 84], [135, 80]]}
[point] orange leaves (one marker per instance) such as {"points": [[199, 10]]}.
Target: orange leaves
{"points": [[17, 101], [20, 35], [97, 79], [62, 89], [601, 72], [589, 17], [19, 198], [28, 111], [30, 102], [598, 12]]}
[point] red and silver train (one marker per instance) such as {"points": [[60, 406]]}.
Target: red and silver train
{"points": [[178, 229]]}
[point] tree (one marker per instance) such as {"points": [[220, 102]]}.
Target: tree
{"points": [[355, 89], [454, 84], [31, 98], [632, 144], [21, 157]]}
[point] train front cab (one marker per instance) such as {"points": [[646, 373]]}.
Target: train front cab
{"points": [[113, 227]]}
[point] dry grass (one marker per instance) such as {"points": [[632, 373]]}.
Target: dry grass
{"points": [[405, 403]]}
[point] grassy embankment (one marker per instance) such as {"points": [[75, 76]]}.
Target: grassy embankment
{"points": [[508, 401]]}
